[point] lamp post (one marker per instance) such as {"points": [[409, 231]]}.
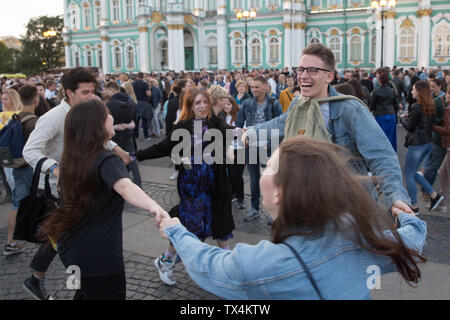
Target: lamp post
{"points": [[47, 35], [385, 5], [246, 16]]}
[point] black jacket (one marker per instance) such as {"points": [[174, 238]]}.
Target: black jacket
{"points": [[418, 125], [222, 218], [123, 109], [383, 101], [171, 116]]}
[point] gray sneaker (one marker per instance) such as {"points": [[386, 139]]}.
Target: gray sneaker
{"points": [[252, 215], [165, 267]]}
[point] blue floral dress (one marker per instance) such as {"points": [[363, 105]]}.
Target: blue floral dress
{"points": [[195, 190]]}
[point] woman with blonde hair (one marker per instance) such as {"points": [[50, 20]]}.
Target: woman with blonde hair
{"points": [[128, 86], [219, 98], [11, 105]]}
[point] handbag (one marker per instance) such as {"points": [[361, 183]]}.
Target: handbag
{"points": [[308, 273], [34, 207]]}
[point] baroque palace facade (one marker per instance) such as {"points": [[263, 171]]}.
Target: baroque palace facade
{"points": [[154, 35]]}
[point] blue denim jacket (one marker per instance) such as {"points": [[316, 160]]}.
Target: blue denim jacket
{"points": [[270, 271], [247, 111], [352, 126]]}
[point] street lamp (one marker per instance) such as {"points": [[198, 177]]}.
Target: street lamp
{"points": [[47, 35], [246, 16], [385, 5]]}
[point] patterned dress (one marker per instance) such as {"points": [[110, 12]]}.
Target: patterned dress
{"points": [[195, 189]]}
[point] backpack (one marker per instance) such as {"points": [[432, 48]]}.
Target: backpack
{"points": [[12, 142]]}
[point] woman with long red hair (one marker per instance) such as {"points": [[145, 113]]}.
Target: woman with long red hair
{"points": [[203, 186]]}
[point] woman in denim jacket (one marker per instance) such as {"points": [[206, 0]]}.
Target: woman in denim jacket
{"points": [[333, 224]]}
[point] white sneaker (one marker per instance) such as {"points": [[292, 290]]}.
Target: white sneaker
{"points": [[165, 266], [174, 176]]}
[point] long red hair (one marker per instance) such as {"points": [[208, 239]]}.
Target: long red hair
{"points": [[188, 104]]}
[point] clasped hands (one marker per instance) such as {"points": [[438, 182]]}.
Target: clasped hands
{"points": [[163, 220]]}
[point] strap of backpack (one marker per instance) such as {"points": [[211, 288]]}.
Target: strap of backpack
{"points": [[36, 176], [28, 117]]}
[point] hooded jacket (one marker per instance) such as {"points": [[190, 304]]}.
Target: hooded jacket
{"points": [[123, 110]]}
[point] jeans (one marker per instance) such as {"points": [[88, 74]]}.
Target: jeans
{"points": [[154, 122], [22, 184], [43, 257], [415, 155], [255, 175], [144, 112], [434, 162]]}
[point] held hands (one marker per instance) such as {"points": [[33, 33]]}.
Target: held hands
{"points": [[165, 223], [244, 139], [400, 206]]}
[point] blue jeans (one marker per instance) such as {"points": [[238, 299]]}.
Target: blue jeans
{"points": [[434, 162], [415, 155], [145, 113]]}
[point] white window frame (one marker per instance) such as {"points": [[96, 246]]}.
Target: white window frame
{"points": [[97, 14], [128, 9], [118, 63], [373, 48], [114, 10], [88, 53], [445, 44], [238, 4], [100, 58], [408, 46], [315, 3], [336, 3], [361, 50], [337, 52], [239, 50], [255, 50], [87, 14], [211, 44], [74, 10], [254, 4], [76, 55]]}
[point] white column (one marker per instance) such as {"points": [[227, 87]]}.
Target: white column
{"points": [[104, 14], [222, 52], [176, 47], [144, 49], [424, 37], [389, 34], [288, 45], [106, 54], [378, 44], [299, 42], [67, 53]]}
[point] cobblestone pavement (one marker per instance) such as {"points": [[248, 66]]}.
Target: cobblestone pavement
{"points": [[143, 281]]}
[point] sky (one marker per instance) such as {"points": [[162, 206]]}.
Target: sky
{"points": [[15, 14]]}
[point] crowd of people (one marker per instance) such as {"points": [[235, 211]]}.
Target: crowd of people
{"points": [[86, 126]]}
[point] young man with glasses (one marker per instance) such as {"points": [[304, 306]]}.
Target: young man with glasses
{"points": [[344, 121]]}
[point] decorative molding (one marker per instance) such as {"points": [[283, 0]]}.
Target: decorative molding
{"points": [[157, 17], [189, 19], [143, 29], [424, 13], [407, 23], [390, 15], [67, 44], [300, 26], [104, 39], [287, 25], [175, 26]]}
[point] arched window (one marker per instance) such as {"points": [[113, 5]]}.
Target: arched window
{"points": [[76, 56], [74, 16], [239, 50], [314, 40], [87, 15], [274, 50], [441, 42], [256, 51], [98, 13], [89, 58], [355, 49], [164, 54], [100, 58], [130, 57], [118, 57], [335, 46], [406, 43], [373, 49], [115, 10], [129, 9]]}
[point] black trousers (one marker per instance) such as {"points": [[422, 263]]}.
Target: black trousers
{"points": [[43, 258], [235, 175], [102, 288]]}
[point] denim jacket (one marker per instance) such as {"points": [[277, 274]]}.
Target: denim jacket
{"points": [[340, 267], [247, 111], [353, 127]]}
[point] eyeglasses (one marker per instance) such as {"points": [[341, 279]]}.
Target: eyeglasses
{"points": [[311, 70]]}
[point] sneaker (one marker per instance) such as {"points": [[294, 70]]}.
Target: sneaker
{"points": [[174, 176], [10, 250], [165, 266], [148, 139], [442, 208], [252, 215], [435, 202], [234, 199], [36, 288], [240, 204]]}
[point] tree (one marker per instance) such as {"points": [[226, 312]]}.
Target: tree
{"points": [[6, 59], [42, 52]]}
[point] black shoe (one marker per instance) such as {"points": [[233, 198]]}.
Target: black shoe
{"points": [[36, 288], [435, 202]]}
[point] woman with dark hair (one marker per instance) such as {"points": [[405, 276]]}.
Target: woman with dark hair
{"points": [[334, 227], [418, 124], [382, 106], [235, 170], [43, 107], [94, 183], [436, 88], [203, 185], [359, 91]]}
